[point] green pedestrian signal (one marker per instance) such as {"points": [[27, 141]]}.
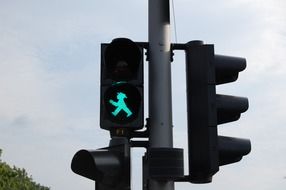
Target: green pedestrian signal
{"points": [[122, 102], [120, 105], [121, 96]]}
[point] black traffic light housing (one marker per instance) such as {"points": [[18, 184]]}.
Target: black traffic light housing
{"points": [[121, 102], [206, 110], [109, 167]]}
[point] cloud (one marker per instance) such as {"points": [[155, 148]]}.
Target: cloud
{"points": [[48, 97]]}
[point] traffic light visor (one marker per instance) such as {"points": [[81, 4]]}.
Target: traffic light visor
{"points": [[227, 68], [122, 59], [95, 165]]}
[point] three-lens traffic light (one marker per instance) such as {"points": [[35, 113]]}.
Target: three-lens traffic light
{"points": [[121, 103], [206, 110]]}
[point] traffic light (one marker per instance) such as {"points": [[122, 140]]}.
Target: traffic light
{"points": [[109, 167], [121, 102], [206, 110]]}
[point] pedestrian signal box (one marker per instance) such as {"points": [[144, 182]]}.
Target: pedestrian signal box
{"points": [[121, 85]]}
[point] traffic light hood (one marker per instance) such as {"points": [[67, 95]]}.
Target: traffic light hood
{"points": [[100, 165], [122, 58]]}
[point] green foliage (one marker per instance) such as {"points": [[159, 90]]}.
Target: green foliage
{"points": [[16, 178]]}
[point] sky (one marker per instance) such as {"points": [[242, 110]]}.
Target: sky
{"points": [[50, 71]]}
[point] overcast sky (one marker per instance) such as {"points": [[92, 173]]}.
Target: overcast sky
{"points": [[49, 83]]}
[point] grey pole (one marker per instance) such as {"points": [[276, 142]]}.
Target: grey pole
{"points": [[160, 92]]}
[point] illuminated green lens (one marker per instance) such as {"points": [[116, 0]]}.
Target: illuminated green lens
{"points": [[120, 105]]}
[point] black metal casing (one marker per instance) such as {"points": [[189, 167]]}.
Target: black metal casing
{"points": [[121, 71], [206, 110]]}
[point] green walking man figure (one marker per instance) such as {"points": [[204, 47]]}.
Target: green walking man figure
{"points": [[120, 105]]}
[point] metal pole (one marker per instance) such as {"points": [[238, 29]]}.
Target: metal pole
{"points": [[160, 92]]}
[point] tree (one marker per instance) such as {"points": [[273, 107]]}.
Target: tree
{"points": [[13, 178]]}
